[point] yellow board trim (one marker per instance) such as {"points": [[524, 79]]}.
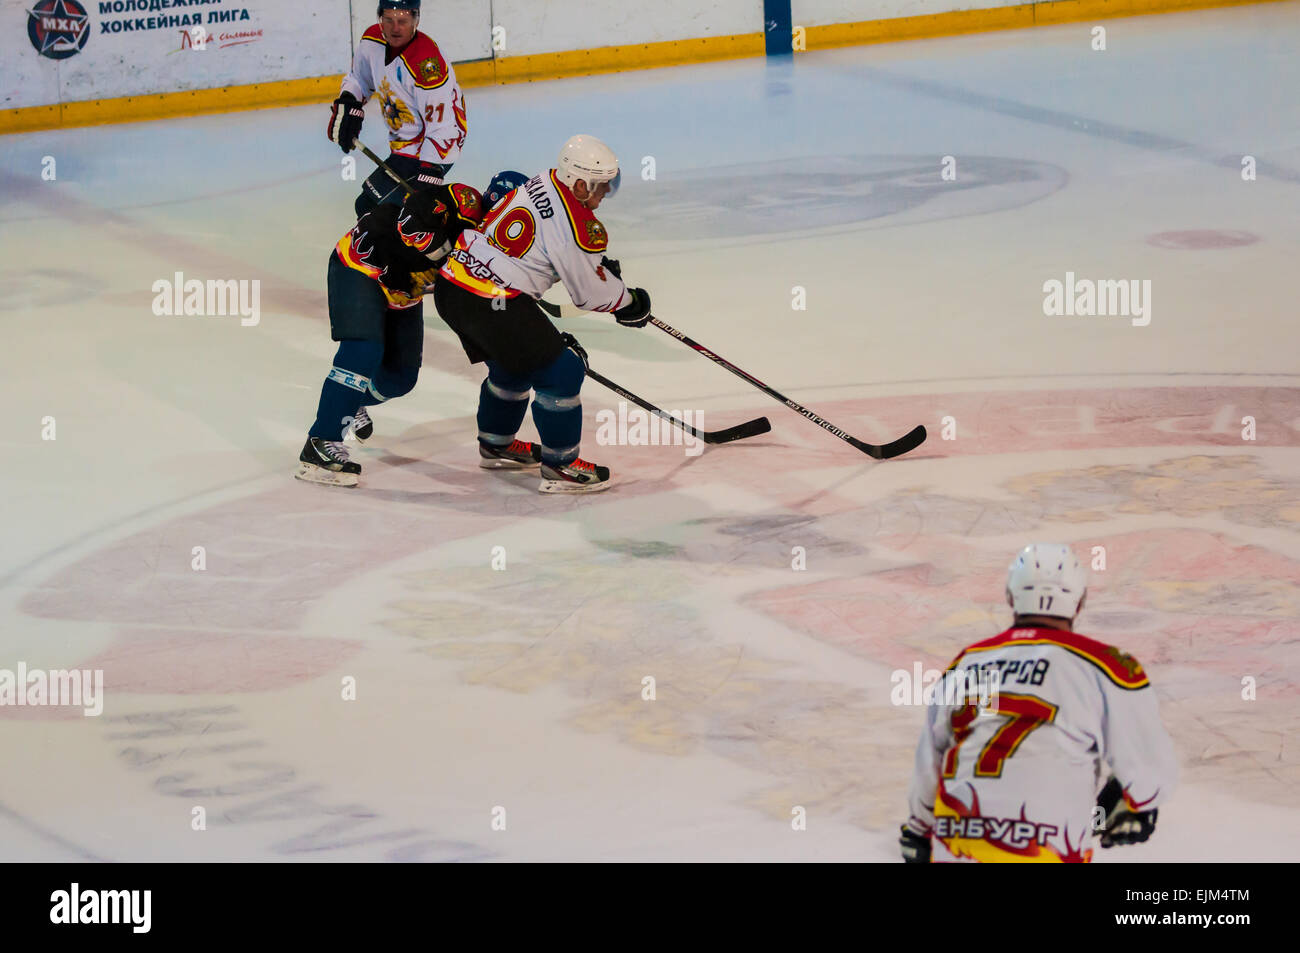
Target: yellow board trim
{"points": [[605, 59], [293, 92]]}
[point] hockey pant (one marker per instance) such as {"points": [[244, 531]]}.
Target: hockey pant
{"points": [[379, 354]]}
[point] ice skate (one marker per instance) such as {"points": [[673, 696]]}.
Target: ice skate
{"points": [[578, 476], [327, 462], [363, 428], [518, 455]]}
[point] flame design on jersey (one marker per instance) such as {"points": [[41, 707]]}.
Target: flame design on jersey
{"points": [[458, 109], [354, 251], [413, 237], [396, 113], [986, 850]]}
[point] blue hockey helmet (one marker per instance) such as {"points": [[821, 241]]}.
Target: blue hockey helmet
{"points": [[411, 5], [502, 184]]}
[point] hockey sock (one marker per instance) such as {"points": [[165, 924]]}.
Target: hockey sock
{"points": [[346, 387], [389, 383], [557, 408], [502, 403]]}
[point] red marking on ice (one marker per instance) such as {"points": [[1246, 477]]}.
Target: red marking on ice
{"points": [[172, 626], [1015, 422], [1187, 579], [1201, 239], [195, 662]]}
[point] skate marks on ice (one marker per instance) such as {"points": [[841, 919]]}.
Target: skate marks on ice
{"points": [[211, 756], [1065, 121], [1202, 609], [823, 193], [824, 744], [675, 579]]}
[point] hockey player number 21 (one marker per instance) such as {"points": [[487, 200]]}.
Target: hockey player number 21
{"points": [[1023, 713]]}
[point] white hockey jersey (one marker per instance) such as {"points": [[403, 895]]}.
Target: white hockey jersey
{"points": [[1009, 769], [418, 96], [537, 235]]}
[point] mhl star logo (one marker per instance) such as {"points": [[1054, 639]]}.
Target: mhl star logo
{"points": [[58, 28]]}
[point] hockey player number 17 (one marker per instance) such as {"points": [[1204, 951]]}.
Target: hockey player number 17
{"points": [[1024, 713]]}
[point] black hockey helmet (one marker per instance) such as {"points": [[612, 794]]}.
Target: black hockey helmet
{"points": [[502, 184], [412, 5]]}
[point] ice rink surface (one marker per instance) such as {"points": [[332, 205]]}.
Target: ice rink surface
{"points": [[521, 688]]}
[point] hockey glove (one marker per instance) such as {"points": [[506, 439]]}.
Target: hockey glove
{"points": [[345, 121], [429, 175], [422, 224], [572, 344], [1123, 826], [613, 267], [914, 847], [636, 314]]}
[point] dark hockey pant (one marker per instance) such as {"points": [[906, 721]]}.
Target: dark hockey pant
{"points": [[380, 350]]}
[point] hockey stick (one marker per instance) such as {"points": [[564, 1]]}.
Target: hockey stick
{"points": [[909, 441], [750, 428], [385, 166]]}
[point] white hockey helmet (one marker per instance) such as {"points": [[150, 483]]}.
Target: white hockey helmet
{"points": [[587, 159], [1046, 579]]}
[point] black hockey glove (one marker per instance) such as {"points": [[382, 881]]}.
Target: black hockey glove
{"points": [[424, 215], [636, 314], [572, 344], [613, 267], [345, 121], [429, 175], [914, 847], [1123, 826], [1129, 828]]}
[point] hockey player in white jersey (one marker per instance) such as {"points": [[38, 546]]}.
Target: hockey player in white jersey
{"points": [[419, 98], [543, 232], [1013, 775]]}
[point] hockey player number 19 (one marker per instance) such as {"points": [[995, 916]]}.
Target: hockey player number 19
{"points": [[513, 233], [1024, 713]]}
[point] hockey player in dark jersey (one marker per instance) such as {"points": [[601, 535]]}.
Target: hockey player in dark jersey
{"points": [[377, 278]]}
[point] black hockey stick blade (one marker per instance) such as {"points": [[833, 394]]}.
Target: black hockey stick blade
{"points": [[750, 428], [552, 309], [904, 444]]}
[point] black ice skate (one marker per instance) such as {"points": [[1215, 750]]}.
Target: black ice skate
{"points": [[326, 461], [518, 455], [363, 428], [579, 476]]}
